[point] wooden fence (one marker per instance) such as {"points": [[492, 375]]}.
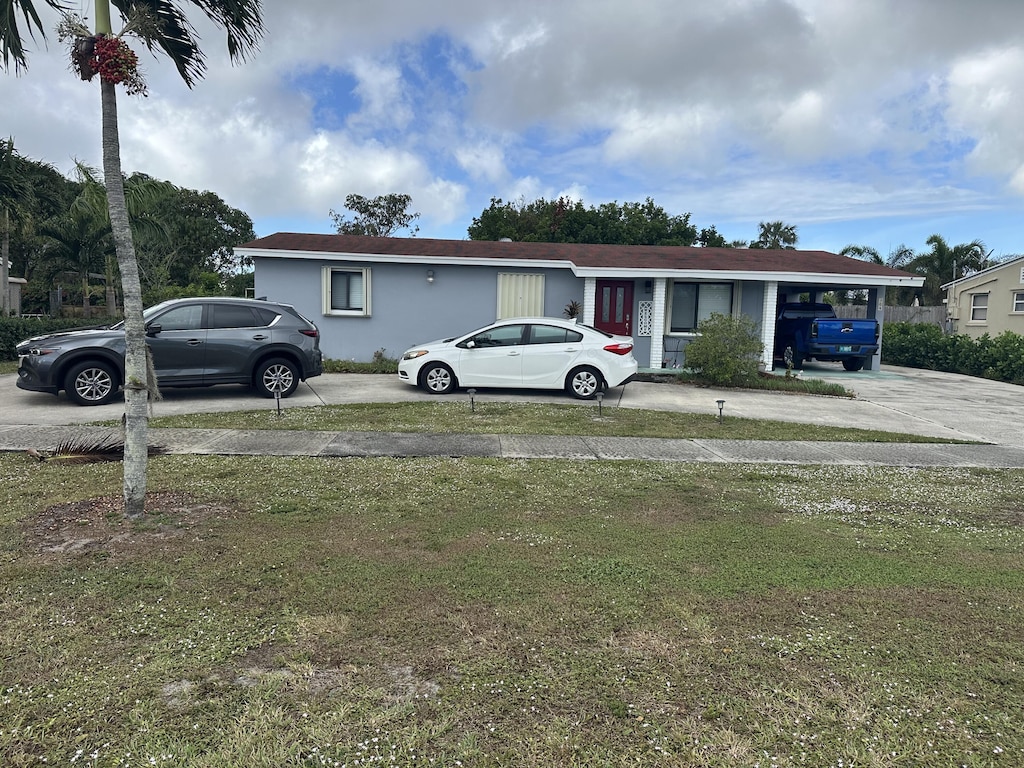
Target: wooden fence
{"points": [[926, 315]]}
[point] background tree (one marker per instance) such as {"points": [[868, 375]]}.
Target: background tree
{"points": [[519, 221], [567, 221], [189, 237], [49, 195], [161, 25], [380, 217], [184, 238], [710, 238], [77, 242], [775, 235], [943, 263], [14, 195], [899, 258]]}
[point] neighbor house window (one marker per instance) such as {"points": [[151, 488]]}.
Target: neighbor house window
{"points": [[979, 307], [694, 302], [346, 291], [1018, 301]]}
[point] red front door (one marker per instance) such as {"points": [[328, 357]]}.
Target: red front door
{"points": [[614, 307]]}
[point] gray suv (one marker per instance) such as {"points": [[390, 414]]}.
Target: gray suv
{"points": [[194, 342]]}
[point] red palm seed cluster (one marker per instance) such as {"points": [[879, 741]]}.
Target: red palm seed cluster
{"points": [[117, 64]]}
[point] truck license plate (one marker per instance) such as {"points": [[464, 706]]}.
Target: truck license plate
{"points": [[845, 348]]}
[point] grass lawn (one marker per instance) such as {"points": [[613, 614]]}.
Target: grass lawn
{"points": [[457, 417], [477, 612]]}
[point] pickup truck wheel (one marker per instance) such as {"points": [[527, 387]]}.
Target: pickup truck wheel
{"points": [[853, 363], [793, 358]]}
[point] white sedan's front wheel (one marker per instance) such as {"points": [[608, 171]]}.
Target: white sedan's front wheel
{"points": [[438, 379], [584, 383]]}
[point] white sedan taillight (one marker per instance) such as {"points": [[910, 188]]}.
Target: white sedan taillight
{"points": [[620, 348]]}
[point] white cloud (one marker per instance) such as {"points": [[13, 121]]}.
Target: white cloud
{"points": [[794, 109], [381, 89], [482, 161], [985, 102]]}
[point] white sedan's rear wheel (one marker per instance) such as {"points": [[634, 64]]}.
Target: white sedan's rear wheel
{"points": [[584, 383]]}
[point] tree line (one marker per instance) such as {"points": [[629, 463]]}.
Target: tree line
{"points": [[565, 221], [57, 234]]}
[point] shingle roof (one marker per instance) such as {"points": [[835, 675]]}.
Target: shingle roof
{"points": [[639, 257]]}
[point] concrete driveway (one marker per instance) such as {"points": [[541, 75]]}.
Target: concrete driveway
{"points": [[893, 399]]}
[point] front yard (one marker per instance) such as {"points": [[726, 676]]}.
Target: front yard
{"points": [[417, 612]]}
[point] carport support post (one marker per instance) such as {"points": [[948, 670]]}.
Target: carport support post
{"points": [[876, 309], [768, 312]]}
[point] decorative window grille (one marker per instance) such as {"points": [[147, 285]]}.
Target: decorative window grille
{"points": [[645, 321]]}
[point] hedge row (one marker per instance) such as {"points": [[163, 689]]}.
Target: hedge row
{"points": [[917, 345], [15, 329]]}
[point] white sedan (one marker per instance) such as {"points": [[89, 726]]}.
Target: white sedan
{"points": [[524, 352]]}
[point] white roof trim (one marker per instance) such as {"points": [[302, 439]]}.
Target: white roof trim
{"points": [[993, 268], [401, 259]]}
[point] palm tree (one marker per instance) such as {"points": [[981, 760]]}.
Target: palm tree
{"points": [[161, 24], [79, 242], [899, 258], [775, 235], [943, 263], [140, 193]]}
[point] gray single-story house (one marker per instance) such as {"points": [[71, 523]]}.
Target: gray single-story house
{"points": [[379, 293]]}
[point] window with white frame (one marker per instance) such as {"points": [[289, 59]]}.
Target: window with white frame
{"points": [[979, 307], [1018, 301], [346, 291], [694, 302]]}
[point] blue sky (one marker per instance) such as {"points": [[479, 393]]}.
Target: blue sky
{"points": [[872, 122]]}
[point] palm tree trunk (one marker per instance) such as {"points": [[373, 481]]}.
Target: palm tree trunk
{"points": [[85, 296], [5, 283], [136, 384], [111, 297]]}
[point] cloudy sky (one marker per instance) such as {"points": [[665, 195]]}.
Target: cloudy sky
{"points": [[875, 122]]}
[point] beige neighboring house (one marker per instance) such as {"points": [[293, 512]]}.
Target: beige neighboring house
{"points": [[990, 301]]}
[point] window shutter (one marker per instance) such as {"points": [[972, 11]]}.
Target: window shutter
{"points": [[520, 295]]}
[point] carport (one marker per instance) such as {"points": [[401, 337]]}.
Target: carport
{"points": [[815, 292]]}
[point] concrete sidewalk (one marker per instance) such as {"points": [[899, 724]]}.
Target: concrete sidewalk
{"points": [[940, 405], [233, 442]]}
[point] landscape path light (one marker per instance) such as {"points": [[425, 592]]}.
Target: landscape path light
{"points": [[721, 405]]}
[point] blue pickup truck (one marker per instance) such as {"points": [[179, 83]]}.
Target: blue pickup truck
{"points": [[805, 331]]}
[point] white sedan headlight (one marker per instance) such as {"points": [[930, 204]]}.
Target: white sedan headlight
{"points": [[412, 354]]}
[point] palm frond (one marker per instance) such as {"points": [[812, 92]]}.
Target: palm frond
{"points": [[11, 40], [89, 450], [168, 29]]}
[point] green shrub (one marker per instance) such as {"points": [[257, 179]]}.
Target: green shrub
{"points": [[914, 345], [726, 351], [926, 346], [381, 363]]}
